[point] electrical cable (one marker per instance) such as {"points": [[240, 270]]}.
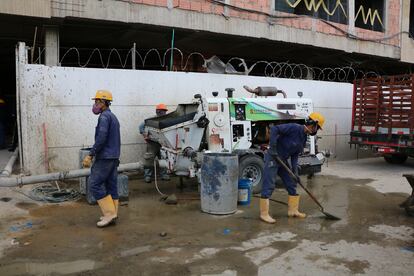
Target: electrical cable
{"points": [[49, 193], [155, 178], [52, 194], [347, 34], [307, 16], [255, 11]]}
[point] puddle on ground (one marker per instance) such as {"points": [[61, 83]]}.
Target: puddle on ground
{"points": [[26, 205], [5, 199], [134, 244], [49, 268]]}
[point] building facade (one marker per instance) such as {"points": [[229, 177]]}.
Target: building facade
{"points": [[371, 34]]}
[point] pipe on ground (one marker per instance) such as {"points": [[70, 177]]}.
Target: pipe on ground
{"points": [[32, 179], [9, 166]]}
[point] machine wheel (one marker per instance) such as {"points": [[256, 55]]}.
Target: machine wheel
{"points": [[252, 166], [396, 158]]}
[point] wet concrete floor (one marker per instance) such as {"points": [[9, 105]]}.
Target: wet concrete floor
{"points": [[374, 237]]}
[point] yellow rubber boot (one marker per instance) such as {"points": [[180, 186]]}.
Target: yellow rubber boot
{"points": [[293, 207], [116, 203], [264, 211], [108, 210]]}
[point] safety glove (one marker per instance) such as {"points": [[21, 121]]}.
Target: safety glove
{"points": [[87, 161]]}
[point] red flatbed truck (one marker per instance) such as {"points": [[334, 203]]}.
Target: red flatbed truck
{"points": [[383, 116]]}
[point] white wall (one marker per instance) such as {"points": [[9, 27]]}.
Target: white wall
{"points": [[61, 98]]}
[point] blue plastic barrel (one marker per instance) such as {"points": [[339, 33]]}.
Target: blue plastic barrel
{"points": [[245, 192]]}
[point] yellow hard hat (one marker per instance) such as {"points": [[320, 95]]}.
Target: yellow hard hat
{"points": [[103, 95], [2, 101], [318, 118]]}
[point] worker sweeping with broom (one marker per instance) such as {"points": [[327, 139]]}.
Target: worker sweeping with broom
{"points": [[286, 141], [106, 152]]}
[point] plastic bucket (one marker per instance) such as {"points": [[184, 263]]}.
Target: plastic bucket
{"points": [[245, 192]]}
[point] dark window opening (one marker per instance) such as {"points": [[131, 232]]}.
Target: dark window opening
{"points": [[411, 30], [331, 10], [370, 15]]}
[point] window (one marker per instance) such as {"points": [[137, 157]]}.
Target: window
{"points": [[331, 10], [369, 14]]}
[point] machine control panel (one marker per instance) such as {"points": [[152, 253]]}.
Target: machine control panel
{"points": [[241, 135], [238, 132], [240, 111]]}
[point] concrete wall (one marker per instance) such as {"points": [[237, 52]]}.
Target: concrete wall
{"points": [[36, 8], [60, 98]]}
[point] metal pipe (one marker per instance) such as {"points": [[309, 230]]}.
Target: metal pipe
{"points": [[32, 50], [9, 166], [19, 48], [133, 57], [25, 180], [265, 91], [172, 50]]}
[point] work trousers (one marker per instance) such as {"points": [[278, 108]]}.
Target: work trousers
{"points": [[103, 180], [153, 149], [271, 170]]}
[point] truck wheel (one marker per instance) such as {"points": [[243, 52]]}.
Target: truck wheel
{"points": [[396, 158], [252, 166]]}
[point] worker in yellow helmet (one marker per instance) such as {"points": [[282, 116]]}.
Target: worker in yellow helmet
{"points": [[153, 148], [106, 151], [287, 141]]}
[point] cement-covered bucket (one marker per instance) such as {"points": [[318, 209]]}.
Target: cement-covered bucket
{"points": [[219, 183]]}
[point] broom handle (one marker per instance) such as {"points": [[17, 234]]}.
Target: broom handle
{"points": [[297, 179]]}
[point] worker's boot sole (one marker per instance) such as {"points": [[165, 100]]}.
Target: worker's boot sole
{"points": [[269, 220], [109, 223], [301, 216], [101, 218]]}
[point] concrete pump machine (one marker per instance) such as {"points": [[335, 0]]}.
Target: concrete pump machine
{"points": [[232, 125]]}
